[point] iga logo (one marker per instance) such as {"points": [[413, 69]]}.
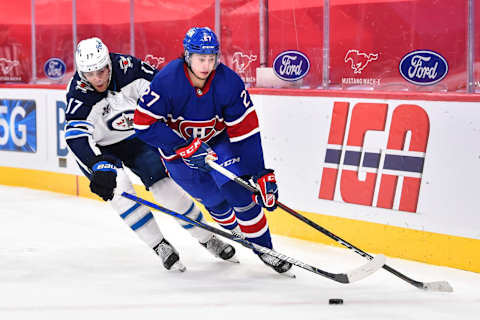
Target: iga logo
{"points": [[423, 67], [375, 155], [55, 68], [359, 60], [242, 61], [291, 65]]}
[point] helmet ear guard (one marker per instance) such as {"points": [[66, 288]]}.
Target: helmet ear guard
{"points": [[201, 41], [92, 55]]}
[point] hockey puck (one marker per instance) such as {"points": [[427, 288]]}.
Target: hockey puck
{"points": [[335, 301]]}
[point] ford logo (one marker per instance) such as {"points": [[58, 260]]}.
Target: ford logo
{"points": [[291, 65], [423, 67], [54, 68]]}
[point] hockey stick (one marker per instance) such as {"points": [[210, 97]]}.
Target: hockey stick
{"points": [[352, 276], [443, 286]]}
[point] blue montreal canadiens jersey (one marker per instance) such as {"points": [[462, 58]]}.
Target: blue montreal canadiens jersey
{"points": [[174, 111], [95, 118]]}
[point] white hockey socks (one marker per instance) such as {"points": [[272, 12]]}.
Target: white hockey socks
{"points": [[139, 218], [168, 194]]}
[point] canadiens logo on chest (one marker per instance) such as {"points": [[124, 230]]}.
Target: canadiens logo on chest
{"points": [[204, 130]]}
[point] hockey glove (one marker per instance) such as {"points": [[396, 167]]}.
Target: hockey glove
{"points": [[104, 177], [267, 185], [195, 153]]}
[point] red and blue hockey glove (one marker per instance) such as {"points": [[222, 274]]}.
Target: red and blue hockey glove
{"points": [[267, 185], [195, 153], [104, 177]]}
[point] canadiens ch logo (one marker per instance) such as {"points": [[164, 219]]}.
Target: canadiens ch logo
{"points": [[204, 130]]}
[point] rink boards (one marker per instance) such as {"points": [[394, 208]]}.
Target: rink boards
{"points": [[391, 173]]}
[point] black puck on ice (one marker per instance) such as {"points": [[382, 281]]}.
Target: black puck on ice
{"points": [[335, 301]]}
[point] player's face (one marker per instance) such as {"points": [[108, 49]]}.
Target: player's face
{"points": [[202, 65], [99, 79]]}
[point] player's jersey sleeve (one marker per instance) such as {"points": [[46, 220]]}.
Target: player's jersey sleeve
{"points": [[242, 121], [79, 128], [130, 70], [151, 116]]}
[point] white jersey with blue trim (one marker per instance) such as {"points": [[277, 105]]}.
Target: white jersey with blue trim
{"points": [[95, 118]]}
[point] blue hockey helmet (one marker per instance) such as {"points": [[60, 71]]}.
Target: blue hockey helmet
{"points": [[201, 41]]}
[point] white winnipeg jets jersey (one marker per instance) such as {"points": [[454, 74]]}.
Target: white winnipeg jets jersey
{"points": [[103, 119]]}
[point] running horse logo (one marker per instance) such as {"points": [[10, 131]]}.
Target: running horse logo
{"points": [[7, 65], [154, 61], [359, 60], [242, 61]]}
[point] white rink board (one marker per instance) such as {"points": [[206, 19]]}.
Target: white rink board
{"points": [[46, 156], [295, 132]]}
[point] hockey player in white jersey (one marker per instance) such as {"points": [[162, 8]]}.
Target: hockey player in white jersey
{"points": [[101, 100]]}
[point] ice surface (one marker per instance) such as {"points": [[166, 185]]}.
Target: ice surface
{"points": [[63, 257]]}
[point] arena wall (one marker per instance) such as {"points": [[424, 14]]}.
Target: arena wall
{"points": [[391, 173]]}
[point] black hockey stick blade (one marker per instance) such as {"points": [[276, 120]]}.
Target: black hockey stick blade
{"points": [[352, 276], [442, 286]]}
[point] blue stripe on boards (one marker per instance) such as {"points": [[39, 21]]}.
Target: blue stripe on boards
{"points": [[372, 160]]}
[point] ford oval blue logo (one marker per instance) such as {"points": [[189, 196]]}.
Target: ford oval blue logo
{"points": [[423, 67], [55, 68], [291, 65]]}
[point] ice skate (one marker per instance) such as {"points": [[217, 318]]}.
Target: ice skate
{"points": [[220, 249], [169, 256], [280, 266]]}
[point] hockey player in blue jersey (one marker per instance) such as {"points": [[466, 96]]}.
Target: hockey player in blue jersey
{"points": [[196, 107], [101, 100]]}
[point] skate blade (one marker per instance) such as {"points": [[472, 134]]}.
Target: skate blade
{"points": [[288, 274], [233, 259], [178, 266]]}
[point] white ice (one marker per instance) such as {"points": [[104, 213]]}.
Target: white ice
{"points": [[64, 257]]}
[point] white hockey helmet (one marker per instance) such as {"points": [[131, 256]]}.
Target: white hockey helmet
{"points": [[92, 55]]}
